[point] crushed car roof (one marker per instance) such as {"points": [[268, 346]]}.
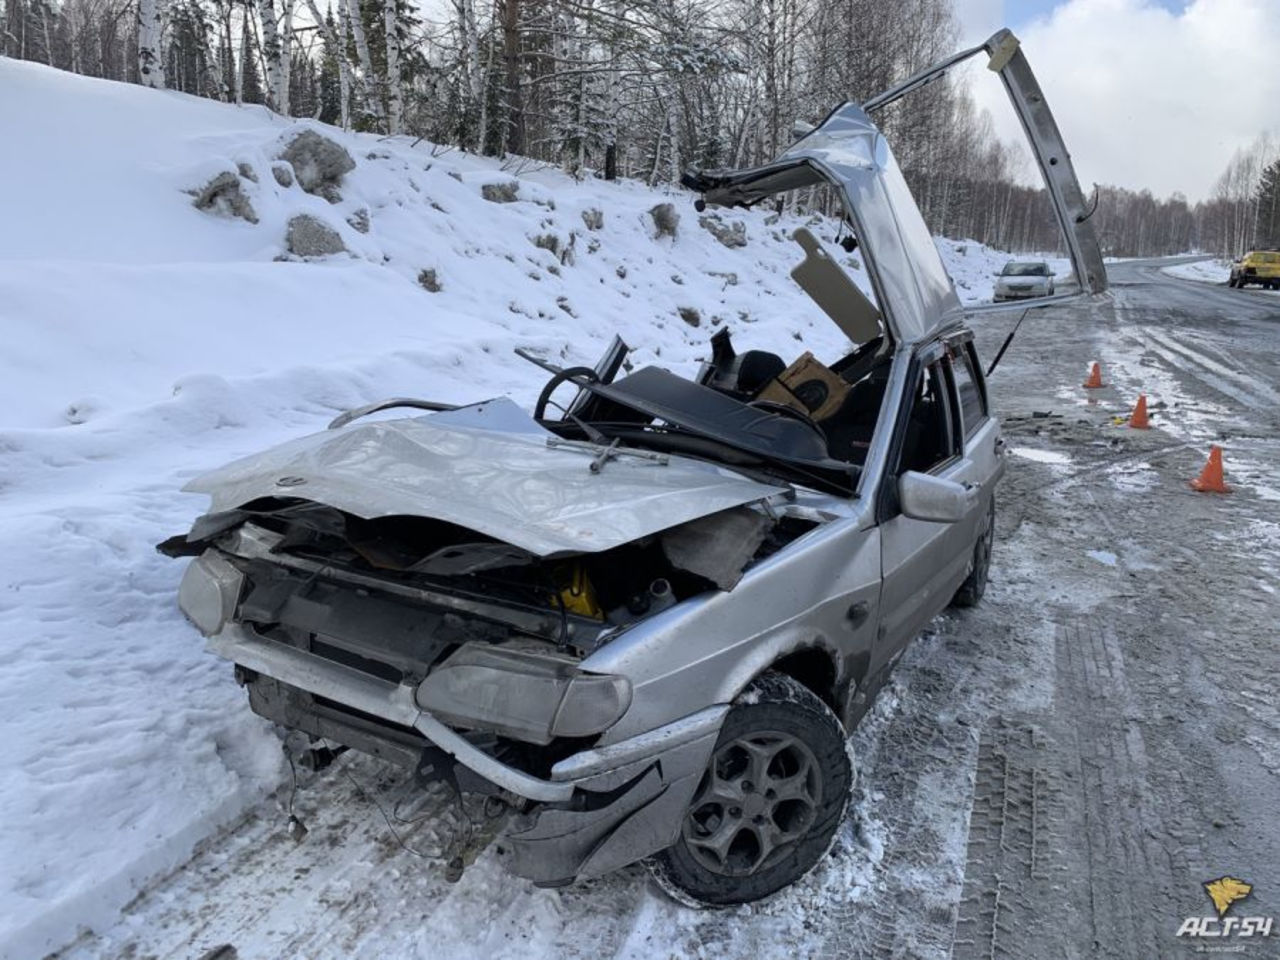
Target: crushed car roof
{"points": [[847, 150]]}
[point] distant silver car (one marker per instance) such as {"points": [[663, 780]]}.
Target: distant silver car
{"points": [[647, 616], [1023, 279]]}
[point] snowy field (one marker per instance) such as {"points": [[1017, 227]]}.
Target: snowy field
{"points": [[146, 341]]}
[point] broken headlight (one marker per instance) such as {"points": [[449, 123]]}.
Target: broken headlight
{"points": [[529, 695], [209, 592]]}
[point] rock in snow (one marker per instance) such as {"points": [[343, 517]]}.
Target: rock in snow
{"points": [[283, 174], [504, 192], [223, 195], [312, 237], [665, 219], [730, 234], [318, 163], [359, 220]]}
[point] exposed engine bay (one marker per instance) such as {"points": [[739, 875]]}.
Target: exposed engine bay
{"points": [[422, 602]]}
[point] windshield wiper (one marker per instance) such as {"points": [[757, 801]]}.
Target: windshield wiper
{"points": [[606, 450]]}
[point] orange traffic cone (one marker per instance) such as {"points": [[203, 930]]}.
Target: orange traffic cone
{"points": [[1095, 377], [1210, 479], [1138, 420]]}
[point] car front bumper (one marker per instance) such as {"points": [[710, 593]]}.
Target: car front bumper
{"points": [[1026, 293], [600, 809]]}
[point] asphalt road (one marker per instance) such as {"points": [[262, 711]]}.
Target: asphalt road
{"points": [[1054, 774], [1154, 766]]}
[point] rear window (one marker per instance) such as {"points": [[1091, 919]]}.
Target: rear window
{"points": [[973, 406]]}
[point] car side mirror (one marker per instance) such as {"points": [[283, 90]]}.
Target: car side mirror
{"points": [[922, 497]]}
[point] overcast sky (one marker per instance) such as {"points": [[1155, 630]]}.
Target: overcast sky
{"points": [[1148, 93]]}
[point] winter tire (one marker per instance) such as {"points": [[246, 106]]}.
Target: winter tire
{"points": [[769, 802], [975, 585]]}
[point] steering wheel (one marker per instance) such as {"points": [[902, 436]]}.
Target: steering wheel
{"points": [[785, 410], [568, 373]]}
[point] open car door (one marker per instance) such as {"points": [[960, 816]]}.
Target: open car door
{"points": [[848, 152], [1047, 146]]}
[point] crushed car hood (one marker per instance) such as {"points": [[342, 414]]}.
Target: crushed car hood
{"points": [[488, 468]]}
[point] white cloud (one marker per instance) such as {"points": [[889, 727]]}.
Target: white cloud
{"points": [[1146, 97], [978, 19]]}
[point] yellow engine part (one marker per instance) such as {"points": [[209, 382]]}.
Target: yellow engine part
{"points": [[579, 596]]}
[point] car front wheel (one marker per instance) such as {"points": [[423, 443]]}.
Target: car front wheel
{"points": [[769, 802]]}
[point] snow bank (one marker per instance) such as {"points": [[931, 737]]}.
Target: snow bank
{"points": [[146, 340], [1205, 271]]}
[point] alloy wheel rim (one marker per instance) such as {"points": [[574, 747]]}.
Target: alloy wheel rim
{"points": [[757, 800]]}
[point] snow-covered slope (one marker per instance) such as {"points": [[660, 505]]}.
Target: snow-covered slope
{"points": [[145, 340]]}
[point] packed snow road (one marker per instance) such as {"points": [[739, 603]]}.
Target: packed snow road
{"points": [[1054, 774]]}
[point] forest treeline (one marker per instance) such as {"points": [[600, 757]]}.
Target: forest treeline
{"points": [[631, 88]]}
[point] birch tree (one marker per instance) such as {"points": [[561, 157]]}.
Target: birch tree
{"points": [[473, 73], [286, 57], [271, 53], [394, 83], [150, 56], [369, 99], [277, 42]]}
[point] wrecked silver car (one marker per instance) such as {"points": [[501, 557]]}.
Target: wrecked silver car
{"points": [[645, 617]]}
